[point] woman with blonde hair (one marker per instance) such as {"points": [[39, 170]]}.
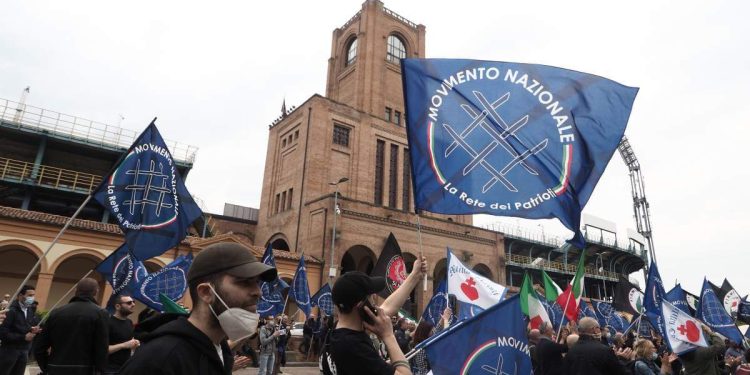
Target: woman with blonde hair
{"points": [[645, 357]]}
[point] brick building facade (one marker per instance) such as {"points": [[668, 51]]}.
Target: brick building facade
{"points": [[357, 133]]}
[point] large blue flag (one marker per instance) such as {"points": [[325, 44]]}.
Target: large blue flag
{"points": [[439, 301], [493, 342], [679, 299], [147, 197], [170, 281], [300, 291], [122, 270], [510, 139], [712, 312], [322, 299], [271, 300]]}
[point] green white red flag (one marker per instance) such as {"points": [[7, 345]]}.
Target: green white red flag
{"points": [[531, 305], [571, 297]]}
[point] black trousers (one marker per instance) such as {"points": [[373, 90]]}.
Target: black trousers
{"points": [[13, 361]]}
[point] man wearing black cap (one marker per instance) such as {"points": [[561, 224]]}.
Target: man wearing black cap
{"points": [[223, 283], [349, 349]]}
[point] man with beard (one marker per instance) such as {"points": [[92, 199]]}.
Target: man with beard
{"points": [[223, 284], [121, 341]]}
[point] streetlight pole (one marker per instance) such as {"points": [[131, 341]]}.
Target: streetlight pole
{"points": [[604, 279], [332, 268]]}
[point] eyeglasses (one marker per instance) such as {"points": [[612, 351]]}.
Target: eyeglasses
{"points": [[128, 303]]}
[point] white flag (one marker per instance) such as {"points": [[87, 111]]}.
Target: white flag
{"points": [[471, 287], [683, 331]]}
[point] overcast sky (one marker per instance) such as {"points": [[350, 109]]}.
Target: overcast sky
{"points": [[215, 74]]}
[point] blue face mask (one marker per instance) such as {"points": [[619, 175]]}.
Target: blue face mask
{"points": [[28, 301]]}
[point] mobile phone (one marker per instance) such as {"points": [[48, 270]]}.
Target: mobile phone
{"points": [[365, 317], [282, 332]]}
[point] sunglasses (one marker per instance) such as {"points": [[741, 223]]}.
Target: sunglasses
{"points": [[128, 303]]}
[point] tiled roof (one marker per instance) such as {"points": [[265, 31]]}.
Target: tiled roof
{"points": [[45, 218]]}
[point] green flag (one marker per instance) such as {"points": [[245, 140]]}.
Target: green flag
{"points": [[551, 290], [170, 306]]}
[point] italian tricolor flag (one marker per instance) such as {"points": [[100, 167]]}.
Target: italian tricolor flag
{"points": [[551, 290], [531, 305], [571, 297]]}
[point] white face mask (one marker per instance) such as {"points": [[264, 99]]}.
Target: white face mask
{"points": [[237, 323]]}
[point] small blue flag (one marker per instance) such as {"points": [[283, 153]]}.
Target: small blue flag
{"points": [[300, 291], [712, 312], [510, 139], [147, 197], [271, 302], [122, 270], [439, 301], [679, 299], [584, 310], [493, 342], [322, 299], [743, 312], [171, 281], [555, 313], [608, 317]]}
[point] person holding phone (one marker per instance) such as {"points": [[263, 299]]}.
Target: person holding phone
{"points": [[349, 349]]}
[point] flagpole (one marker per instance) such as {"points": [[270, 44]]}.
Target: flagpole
{"points": [[421, 252], [64, 295], [638, 329], [54, 241], [567, 302]]}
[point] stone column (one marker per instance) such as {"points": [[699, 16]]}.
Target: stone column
{"points": [[43, 286]]}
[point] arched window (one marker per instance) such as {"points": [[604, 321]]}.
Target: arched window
{"points": [[351, 52], [396, 49]]}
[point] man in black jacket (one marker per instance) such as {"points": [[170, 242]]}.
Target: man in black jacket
{"points": [[589, 356], [223, 283], [17, 331], [549, 354], [75, 337]]}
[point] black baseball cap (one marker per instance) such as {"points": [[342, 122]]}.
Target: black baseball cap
{"points": [[230, 258], [353, 287]]}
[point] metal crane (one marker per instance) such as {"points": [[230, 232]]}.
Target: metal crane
{"points": [[640, 204]]}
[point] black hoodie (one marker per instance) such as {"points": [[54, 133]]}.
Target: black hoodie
{"points": [[178, 347]]}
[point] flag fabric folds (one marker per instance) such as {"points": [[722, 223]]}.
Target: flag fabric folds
{"points": [[551, 290], [299, 290], [391, 266], [493, 342], [682, 332], [571, 297], [678, 298], [271, 300], [322, 299], [531, 305], [628, 297], [712, 312], [170, 281], [555, 313], [470, 287], [510, 139], [147, 197], [437, 305]]}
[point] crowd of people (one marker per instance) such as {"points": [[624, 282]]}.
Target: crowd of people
{"points": [[223, 333], [586, 348]]}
